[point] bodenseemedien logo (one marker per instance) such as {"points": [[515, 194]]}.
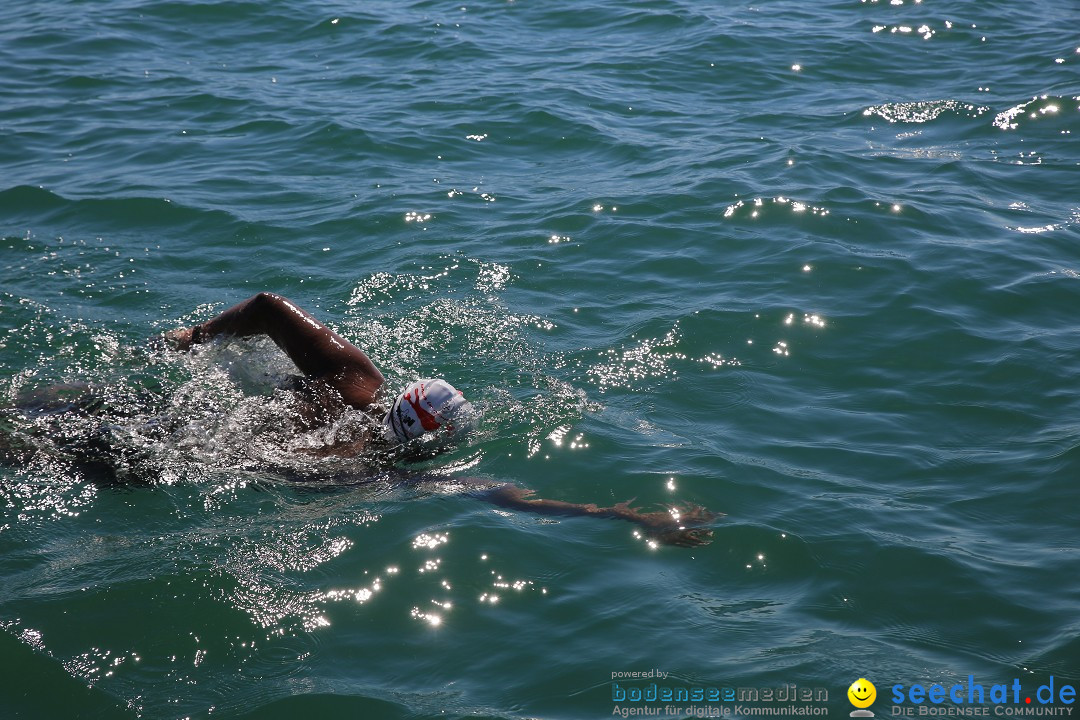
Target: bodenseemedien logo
{"points": [[656, 692], [862, 694]]}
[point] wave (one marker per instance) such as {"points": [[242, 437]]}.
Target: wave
{"points": [[116, 211]]}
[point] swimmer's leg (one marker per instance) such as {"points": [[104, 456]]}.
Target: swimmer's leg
{"points": [[73, 429], [15, 449], [677, 526], [18, 441], [59, 398]]}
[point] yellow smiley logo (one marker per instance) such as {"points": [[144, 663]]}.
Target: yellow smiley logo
{"points": [[862, 693]]}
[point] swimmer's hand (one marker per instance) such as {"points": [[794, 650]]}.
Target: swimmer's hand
{"points": [[677, 526], [180, 339]]}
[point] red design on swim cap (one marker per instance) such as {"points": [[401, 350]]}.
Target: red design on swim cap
{"points": [[427, 420]]}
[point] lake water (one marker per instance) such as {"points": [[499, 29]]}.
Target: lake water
{"points": [[812, 265]]}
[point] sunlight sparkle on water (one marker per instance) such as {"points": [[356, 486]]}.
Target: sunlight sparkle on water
{"points": [[429, 542], [556, 436], [759, 207], [429, 618]]}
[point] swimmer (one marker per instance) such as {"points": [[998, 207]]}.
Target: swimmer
{"points": [[334, 366], [338, 375]]}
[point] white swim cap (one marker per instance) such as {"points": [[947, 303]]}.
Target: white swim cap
{"points": [[426, 406]]}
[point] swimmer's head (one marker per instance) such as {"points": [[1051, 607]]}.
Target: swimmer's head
{"points": [[427, 406]]}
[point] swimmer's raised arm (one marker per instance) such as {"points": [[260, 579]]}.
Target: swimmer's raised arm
{"points": [[680, 526], [317, 351]]}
